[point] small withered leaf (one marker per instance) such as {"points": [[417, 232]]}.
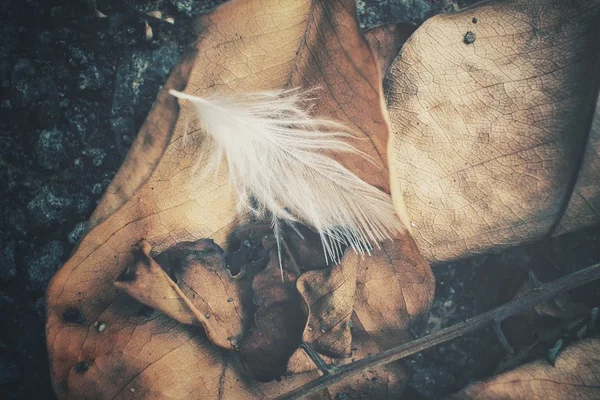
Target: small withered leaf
{"points": [[192, 286], [554, 351], [574, 375], [279, 319], [329, 294], [245, 253]]}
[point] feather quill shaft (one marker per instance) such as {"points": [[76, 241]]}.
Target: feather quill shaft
{"points": [[278, 163]]}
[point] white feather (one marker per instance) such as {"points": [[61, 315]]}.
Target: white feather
{"points": [[278, 162]]}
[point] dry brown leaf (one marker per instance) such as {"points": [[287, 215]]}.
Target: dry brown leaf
{"points": [[146, 282], [329, 294], [200, 292], [102, 342], [394, 297], [576, 375], [583, 209], [279, 319], [393, 290], [491, 109], [215, 297], [386, 42], [149, 146]]}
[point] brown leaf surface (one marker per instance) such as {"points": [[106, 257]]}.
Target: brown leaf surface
{"points": [[102, 342], [576, 375], [386, 42], [201, 291], [146, 282], [583, 209], [149, 146], [393, 291], [491, 111], [279, 318], [329, 294]]}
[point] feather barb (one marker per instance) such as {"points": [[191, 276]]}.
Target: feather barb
{"points": [[277, 158]]}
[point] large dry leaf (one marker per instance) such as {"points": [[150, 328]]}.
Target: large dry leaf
{"points": [[575, 375], [491, 110], [106, 342]]}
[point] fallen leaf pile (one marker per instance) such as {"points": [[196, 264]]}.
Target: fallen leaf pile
{"points": [[173, 294]]}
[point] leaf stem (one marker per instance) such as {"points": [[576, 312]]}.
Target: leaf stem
{"points": [[543, 293]]}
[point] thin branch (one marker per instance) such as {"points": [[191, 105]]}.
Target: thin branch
{"points": [[543, 293], [502, 337]]}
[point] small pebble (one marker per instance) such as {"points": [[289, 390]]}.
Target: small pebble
{"points": [[469, 37], [82, 367]]}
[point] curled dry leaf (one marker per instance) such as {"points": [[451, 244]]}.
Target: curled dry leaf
{"points": [[200, 292], [575, 375], [329, 294], [491, 110], [392, 293], [146, 282], [160, 351], [279, 318]]}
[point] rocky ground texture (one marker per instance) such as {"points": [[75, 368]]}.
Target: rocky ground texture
{"points": [[75, 89]]}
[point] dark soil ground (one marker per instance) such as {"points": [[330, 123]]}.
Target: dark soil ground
{"points": [[75, 89]]}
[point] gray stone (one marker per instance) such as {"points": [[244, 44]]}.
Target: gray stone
{"points": [[43, 267], [50, 149], [78, 57], [97, 188], [17, 220], [8, 268], [40, 307], [184, 6], [77, 232], [415, 11], [97, 156], [9, 371], [139, 76], [83, 205], [91, 79], [123, 131], [47, 208], [4, 74], [23, 81]]}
